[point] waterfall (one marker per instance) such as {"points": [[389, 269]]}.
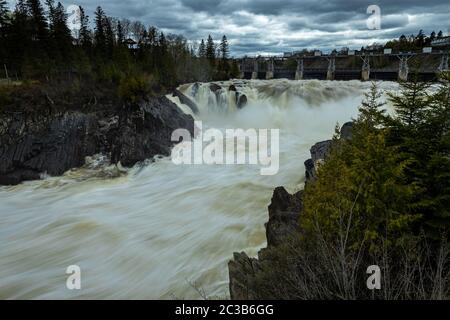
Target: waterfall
{"points": [[154, 230]]}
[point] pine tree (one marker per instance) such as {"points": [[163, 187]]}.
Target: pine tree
{"points": [[85, 34], [39, 27], [210, 49], [202, 49], [109, 36], [60, 31], [371, 113], [120, 36], [100, 36], [3, 14], [411, 104], [432, 36], [224, 49]]}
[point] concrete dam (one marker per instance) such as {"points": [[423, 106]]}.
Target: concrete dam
{"points": [[374, 66]]}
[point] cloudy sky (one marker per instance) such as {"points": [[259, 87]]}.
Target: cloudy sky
{"points": [[276, 26]]}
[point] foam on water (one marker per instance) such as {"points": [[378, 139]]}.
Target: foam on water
{"points": [[154, 230]]}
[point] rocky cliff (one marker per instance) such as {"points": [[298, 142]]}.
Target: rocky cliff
{"points": [[284, 213], [36, 143]]}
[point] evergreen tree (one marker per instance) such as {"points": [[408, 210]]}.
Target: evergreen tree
{"points": [[224, 49], [202, 49], [3, 15], [433, 36], [210, 49], [38, 22], [411, 104], [109, 36], [85, 35], [60, 32], [100, 35], [120, 36], [371, 114]]}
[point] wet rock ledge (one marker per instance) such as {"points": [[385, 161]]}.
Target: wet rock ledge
{"points": [[32, 144], [284, 213]]}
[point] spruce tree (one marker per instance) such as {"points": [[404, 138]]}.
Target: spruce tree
{"points": [[3, 14], [224, 49], [109, 36], [60, 31], [39, 27], [120, 36], [371, 112], [411, 104], [100, 36], [210, 49], [85, 35], [202, 49]]}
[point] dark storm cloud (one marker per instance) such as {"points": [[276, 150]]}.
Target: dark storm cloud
{"points": [[275, 26]]}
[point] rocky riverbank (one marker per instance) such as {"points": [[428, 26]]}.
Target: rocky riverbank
{"points": [[284, 213], [35, 143]]}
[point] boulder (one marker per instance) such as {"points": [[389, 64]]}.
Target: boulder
{"points": [[241, 101], [346, 131], [215, 87], [232, 87]]}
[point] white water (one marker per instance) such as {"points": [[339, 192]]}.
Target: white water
{"points": [[154, 230]]}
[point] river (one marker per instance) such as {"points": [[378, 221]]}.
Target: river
{"points": [[160, 230]]}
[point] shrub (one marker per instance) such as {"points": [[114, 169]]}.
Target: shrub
{"points": [[133, 88]]}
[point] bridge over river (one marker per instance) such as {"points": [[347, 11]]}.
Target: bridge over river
{"points": [[362, 66]]}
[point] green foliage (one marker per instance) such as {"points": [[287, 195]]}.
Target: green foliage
{"points": [[37, 44], [135, 88], [5, 95], [392, 178], [381, 197]]}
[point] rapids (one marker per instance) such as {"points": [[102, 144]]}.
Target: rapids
{"points": [[159, 230]]}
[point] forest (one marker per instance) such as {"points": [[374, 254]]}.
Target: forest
{"points": [[121, 56]]}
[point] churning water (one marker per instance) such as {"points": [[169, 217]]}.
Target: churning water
{"points": [[158, 230]]}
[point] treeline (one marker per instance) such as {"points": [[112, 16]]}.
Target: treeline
{"points": [[380, 198], [37, 43], [413, 42]]}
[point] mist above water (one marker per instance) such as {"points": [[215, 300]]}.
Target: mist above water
{"points": [[157, 230]]}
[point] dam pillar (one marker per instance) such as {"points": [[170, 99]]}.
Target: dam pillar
{"points": [[365, 72], [443, 66], [255, 69], [270, 70], [403, 68], [300, 69], [241, 70], [331, 68]]}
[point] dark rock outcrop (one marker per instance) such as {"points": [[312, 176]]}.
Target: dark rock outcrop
{"points": [[232, 87], [346, 130], [284, 214], [241, 101], [185, 100], [318, 154], [215, 87], [242, 271], [34, 144], [320, 151]]}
